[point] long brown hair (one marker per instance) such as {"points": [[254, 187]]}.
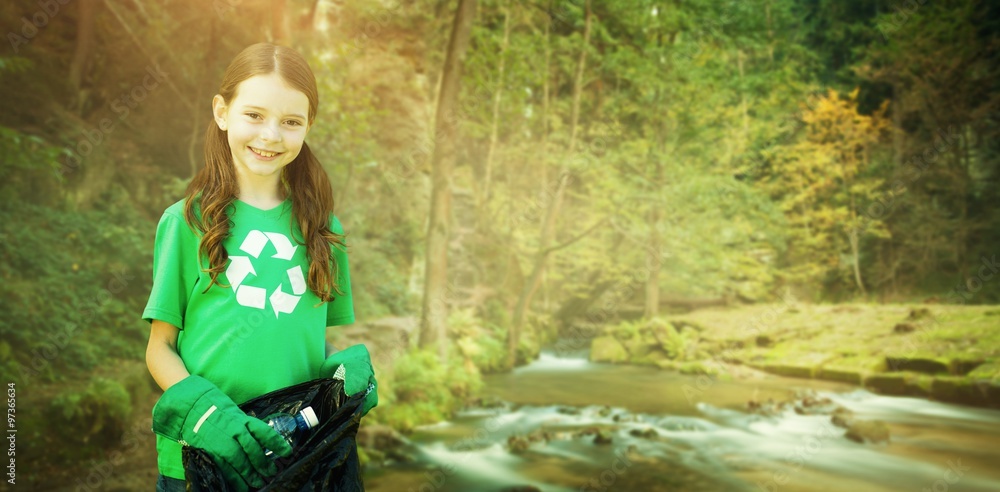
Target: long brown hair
{"points": [[215, 187]]}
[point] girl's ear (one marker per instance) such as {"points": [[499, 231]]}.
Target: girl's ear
{"points": [[219, 109]]}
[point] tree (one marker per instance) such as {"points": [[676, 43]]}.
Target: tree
{"points": [[825, 181], [554, 203], [434, 311]]}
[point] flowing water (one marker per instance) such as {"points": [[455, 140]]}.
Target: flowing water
{"points": [[690, 433]]}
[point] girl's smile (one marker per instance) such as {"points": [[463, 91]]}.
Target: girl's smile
{"points": [[264, 155]]}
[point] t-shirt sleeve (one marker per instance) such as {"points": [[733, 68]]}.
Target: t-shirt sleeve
{"points": [[340, 311], [175, 271]]}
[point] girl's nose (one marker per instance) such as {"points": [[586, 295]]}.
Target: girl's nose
{"points": [[271, 133]]}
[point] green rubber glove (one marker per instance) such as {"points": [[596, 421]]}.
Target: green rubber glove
{"points": [[195, 413], [359, 373]]}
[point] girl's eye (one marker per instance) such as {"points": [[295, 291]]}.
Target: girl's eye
{"points": [[254, 116], [294, 123]]}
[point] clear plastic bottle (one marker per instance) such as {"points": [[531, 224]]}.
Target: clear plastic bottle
{"points": [[291, 427]]}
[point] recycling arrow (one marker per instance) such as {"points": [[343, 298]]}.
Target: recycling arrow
{"points": [[282, 244], [255, 242], [238, 270], [282, 302]]}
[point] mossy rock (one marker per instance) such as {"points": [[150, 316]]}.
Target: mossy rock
{"points": [[793, 370], [922, 364], [887, 384], [963, 366], [607, 349], [988, 370], [919, 385], [843, 374], [990, 391], [862, 431], [639, 348], [958, 390]]}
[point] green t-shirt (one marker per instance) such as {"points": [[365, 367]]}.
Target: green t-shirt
{"points": [[263, 329]]}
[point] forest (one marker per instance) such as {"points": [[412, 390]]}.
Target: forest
{"points": [[522, 179]]}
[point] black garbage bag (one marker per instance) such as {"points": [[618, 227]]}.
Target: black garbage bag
{"points": [[326, 460]]}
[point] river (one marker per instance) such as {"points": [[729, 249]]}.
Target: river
{"points": [[596, 427]]}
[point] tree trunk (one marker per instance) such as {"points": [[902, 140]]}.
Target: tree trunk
{"points": [[497, 98], [83, 53], [552, 212], [578, 82], [524, 300], [653, 266], [544, 154], [435, 310], [855, 253]]}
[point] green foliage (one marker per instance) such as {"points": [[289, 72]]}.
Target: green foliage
{"points": [[96, 416], [73, 286], [425, 391], [481, 343], [641, 336], [14, 64], [99, 412]]}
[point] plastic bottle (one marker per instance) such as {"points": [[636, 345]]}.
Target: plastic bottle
{"points": [[291, 427]]}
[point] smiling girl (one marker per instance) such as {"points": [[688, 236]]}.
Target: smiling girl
{"points": [[248, 271]]}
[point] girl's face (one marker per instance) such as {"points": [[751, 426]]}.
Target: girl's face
{"points": [[267, 122]]}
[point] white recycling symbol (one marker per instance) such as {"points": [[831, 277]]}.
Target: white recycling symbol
{"points": [[242, 266]]}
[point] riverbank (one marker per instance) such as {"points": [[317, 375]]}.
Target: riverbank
{"points": [[942, 352]]}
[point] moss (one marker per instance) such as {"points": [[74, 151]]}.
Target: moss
{"points": [[958, 390], [922, 364], [607, 349], [960, 366], [887, 384], [790, 370], [698, 368], [842, 374], [990, 371]]}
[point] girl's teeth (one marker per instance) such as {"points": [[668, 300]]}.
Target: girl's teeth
{"points": [[264, 154]]}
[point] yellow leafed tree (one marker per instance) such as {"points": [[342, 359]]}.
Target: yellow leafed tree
{"points": [[824, 185]]}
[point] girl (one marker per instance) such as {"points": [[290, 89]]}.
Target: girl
{"points": [[248, 271]]}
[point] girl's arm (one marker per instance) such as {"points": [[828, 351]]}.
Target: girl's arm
{"points": [[164, 364]]}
